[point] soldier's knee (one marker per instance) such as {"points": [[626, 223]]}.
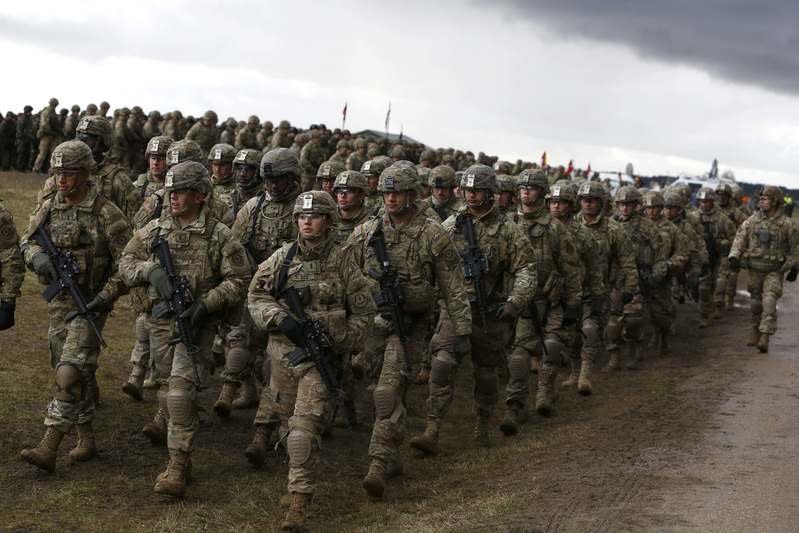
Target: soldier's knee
{"points": [[613, 329], [554, 349], [386, 398], [238, 359], [299, 445], [442, 369], [591, 332], [142, 332], [770, 304], [180, 401], [519, 364], [68, 383]]}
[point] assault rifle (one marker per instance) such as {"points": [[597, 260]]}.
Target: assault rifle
{"points": [[67, 270], [475, 264], [390, 294], [710, 242]]}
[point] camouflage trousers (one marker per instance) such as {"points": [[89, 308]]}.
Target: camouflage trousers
{"points": [[625, 321], [589, 345], [245, 349], [140, 354], [711, 291], [765, 289], [186, 374], [725, 277], [388, 431], [528, 343], [74, 346], [488, 340], [46, 146], [661, 308]]}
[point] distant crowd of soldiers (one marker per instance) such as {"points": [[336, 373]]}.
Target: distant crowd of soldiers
{"points": [[312, 274]]}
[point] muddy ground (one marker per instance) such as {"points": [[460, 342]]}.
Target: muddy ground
{"points": [[704, 440]]}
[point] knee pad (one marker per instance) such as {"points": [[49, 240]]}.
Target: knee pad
{"points": [[769, 304], [219, 344], [756, 306], [142, 333], [554, 349], [238, 359], [385, 400], [299, 444], [68, 382], [485, 380], [613, 329], [180, 401], [519, 364], [591, 332], [237, 337], [442, 369]]}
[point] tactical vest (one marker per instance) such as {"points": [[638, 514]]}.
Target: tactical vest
{"points": [[767, 244], [272, 227]]}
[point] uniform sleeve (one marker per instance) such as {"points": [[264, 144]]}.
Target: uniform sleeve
{"points": [[726, 235], [624, 257], [28, 245], [264, 309], [12, 267], [146, 211], [135, 263], [741, 241], [235, 268], [125, 195], [593, 276], [792, 245], [241, 226], [117, 234], [360, 305], [568, 262], [451, 282], [680, 251], [521, 267]]}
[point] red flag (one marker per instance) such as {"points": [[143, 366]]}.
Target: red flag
{"points": [[544, 160], [588, 170], [570, 169], [344, 115]]}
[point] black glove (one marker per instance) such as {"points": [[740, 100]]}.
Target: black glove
{"points": [[291, 329], [735, 263], [196, 314], [507, 313], [627, 297], [570, 315], [792, 274], [43, 266], [462, 345], [159, 280], [7, 308], [97, 305]]}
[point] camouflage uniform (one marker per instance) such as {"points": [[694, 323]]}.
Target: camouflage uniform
{"points": [[627, 317], [120, 151], [281, 139], [71, 123], [615, 260], [509, 283], [442, 176], [767, 244], [247, 137], [698, 260], [262, 226], [558, 298], [49, 134], [224, 186], [12, 268], [311, 157], [718, 231], [137, 144], [204, 132], [728, 279], [94, 232], [506, 200], [675, 245], [372, 170], [24, 139], [349, 179], [334, 292], [427, 264], [357, 158], [217, 269]]}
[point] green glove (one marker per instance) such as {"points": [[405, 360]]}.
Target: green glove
{"points": [[43, 266], [98, 305], [159, 280]]}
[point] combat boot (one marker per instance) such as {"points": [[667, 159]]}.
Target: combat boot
{"points": [[634, 358], [295, 517], [515, 416], [375, 481], [258, 447], [762, 344], [248, 395], [574, 374], [133, 385], [86, 448], [149, 381], [546, 394], [427, 442], [754, 337], [172, 481], [613, 361], [44, 455], [155, 430], [482, 435], [584, 381], [223, 405], [423, 376]]}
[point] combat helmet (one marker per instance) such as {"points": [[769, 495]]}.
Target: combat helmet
{"points": [[591, 189], [184, 150], [316, 202], [653, 199], [442, 176], [375, 167], [673, 198], [706, 193], [627, 195], [506, 183], [562, 190], [398, 178], [72, 155], [187, 175], [773, 193], [158, 146], [350, 179], [222, 153], [531, 177], [98, 126], [329, 170], [280, 162], [479, 177]]}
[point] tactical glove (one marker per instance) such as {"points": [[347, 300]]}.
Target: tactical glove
{"points": [[507, 313], [159, 280], [196, 314], [7, 308], [570, 315], [291, 329], [792, 274], [462, 345], [735, 263], [96, 306], [43, 266]]}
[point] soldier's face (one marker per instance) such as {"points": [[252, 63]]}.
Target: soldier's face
{"points": [[476, 198], [70, 181], [278, 186], [395, 202], [157, 165], [244, 175], [764, 203], [312, 225], [222, 170], [529, 195], [626, 209], [185, 202], [672, 212], [724, 198], [559, 208], [442, 194], [372, 181], [327, 186], [706, 205], [591, 206], [505, 199], [349, 198], [652, 213]]}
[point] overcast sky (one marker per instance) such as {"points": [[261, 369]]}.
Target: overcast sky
{"points": [[667, 86]]}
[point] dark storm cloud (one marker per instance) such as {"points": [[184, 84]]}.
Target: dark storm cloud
{"points": [[754, 42]]}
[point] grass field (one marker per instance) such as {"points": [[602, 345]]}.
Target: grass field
{"points": [[462, 489]]}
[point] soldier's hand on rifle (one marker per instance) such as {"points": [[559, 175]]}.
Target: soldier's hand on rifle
{"points": [[462, 345], [159, 280], [507, 312], [735, 263], [7, 308], [97, 305], [291, 329], [44, 267], [570, 315], [196, 314]]}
